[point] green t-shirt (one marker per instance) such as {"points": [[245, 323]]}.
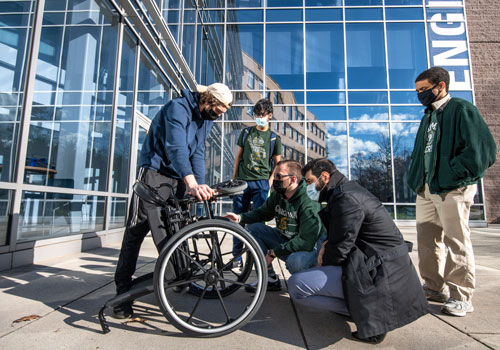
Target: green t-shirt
{"points": [[430, 138], [255, 162]]}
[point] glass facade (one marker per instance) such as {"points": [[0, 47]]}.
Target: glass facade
{"points": [[339, 72]]}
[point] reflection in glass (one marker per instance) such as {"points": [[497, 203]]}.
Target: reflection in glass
{"points": [[323, 2], [405, 45], [407, 112], [404, 13], [9, 132], [283, 15], [121, 157], [5, 198], [153, 89], [285, 68], [370, 158], [367, 97], [363, 14], [213, 144], [283, 3], [368, 113], [245, 57], [326, 97], [325, 56], [326, 113], [405, 97], [406, 212], [323, 15], [365, 56], [48, 215], [476, 212], [336, 145], [71, 155], [245, 16], [403, 140], [118, 213]]}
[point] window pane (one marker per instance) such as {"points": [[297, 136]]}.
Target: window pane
{"points": [[323, 2], [118, 212], [406, 212], [366, 56], [323, 15], [336, 145], [285, 66], [370, 157], [404, 13], [367, 97], [403, 139], [121, 158], [404, 97], [5, 199], [153, 89], [245, 16], [71, 155], [283, 15], [362, 2], [369, 113], [325, 56], [326, 113], [326, 97], [406, 51], [245, 57], [367, 14], [283, 3], [48, 215], [213, 144], [407, 112]]}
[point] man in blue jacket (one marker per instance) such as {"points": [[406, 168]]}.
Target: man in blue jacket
{"points": [[173, 153]]}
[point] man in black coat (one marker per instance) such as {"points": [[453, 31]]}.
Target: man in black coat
{"points": [[364, 268]]}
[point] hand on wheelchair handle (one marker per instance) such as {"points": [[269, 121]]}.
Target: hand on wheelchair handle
{"points": [[202, 192]]}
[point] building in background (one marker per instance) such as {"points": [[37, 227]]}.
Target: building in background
{"points": [[80, 81]]}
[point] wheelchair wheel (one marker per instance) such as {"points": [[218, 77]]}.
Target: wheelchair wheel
{"points": [[199, 257]]}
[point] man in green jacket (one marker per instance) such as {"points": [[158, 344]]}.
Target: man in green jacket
{"points": [[453, 149], [298, 226]]}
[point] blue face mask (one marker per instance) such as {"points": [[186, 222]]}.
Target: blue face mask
{"points": [[261, 121], [312, 192]]}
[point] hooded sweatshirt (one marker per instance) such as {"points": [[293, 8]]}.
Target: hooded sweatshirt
{"points": [[296, 219]]}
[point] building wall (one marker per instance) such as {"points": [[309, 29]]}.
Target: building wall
{"points": [[484, 40]]}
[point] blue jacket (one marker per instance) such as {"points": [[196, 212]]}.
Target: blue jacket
{"points": [[175, 143]]}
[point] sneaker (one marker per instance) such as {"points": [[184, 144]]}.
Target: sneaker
{"points": [[433, 295], [273, 285], [457, 308], [238, 264], [123, 311]]}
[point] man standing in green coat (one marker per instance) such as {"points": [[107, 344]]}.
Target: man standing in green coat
{"points": [[453, 149], [298, 225]]}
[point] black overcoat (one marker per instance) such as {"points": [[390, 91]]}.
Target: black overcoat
{"points": [[381, 286]]}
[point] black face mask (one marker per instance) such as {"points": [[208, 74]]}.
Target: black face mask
{"points": [[426, 97], [209, 114], [278, 186]]}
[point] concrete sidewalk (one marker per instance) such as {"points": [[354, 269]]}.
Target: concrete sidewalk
{"points": [[67, 293]]}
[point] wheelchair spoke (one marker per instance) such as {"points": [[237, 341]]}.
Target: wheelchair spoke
{"points": [[223, 306], [197, 303], [194, 261], [230, 263], [234, 282], [184, 282]]}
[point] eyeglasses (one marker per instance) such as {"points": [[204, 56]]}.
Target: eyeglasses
{"points": [[279, 176]]}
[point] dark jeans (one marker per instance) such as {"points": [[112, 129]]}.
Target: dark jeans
{"points": [[138, 226], [256, 191]]}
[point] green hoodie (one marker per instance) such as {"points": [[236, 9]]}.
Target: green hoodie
{"points": [[296, 219]]}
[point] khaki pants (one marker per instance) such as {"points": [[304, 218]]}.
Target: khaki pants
{"points": [[445, 251]]}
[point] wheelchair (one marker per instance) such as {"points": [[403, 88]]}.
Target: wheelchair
{"points": [[196, 277]]}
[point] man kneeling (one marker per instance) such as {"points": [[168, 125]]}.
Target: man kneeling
{"points": [[365, 270], [298, 226]]}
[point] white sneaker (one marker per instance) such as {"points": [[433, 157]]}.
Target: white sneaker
{"points": [[457, 308]]}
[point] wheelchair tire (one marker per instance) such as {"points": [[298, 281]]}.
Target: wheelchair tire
{"points": [[212, 308]]}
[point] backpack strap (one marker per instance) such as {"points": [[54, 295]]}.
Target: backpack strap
{"points": [[271, 148], [246, 131]]}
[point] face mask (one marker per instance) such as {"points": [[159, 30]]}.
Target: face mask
{"points": [[209, 114], [278, 186], [312, 192], [426, 97], [261, 121]]}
